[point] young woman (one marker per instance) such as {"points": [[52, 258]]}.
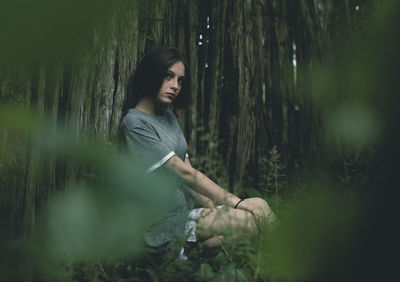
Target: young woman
{"points": [[152, 133]]}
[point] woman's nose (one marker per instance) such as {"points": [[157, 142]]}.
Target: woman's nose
{"points": [[174, 84]]}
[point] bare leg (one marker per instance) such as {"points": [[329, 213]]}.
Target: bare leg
{"points": [[231, 223], [213, 241]]}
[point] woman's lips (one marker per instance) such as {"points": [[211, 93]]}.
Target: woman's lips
{"points": [[171, 95]]}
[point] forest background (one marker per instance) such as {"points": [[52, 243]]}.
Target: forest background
{"points": [[292, 101]]}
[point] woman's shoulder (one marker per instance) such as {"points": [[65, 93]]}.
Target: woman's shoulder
{"points": [[133, 118], [170, 115], [168, 112]]}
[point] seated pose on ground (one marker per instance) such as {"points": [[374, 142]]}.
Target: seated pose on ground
{"points": [[151, 131]]}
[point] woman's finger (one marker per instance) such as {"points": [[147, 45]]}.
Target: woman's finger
{"points": [[258, 216], [262, 216]]}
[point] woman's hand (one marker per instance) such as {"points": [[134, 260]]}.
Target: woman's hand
{"points": [[260, 209]]}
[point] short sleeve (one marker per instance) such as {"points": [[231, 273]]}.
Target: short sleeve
{"points": [[142, 141], [187, 155]]}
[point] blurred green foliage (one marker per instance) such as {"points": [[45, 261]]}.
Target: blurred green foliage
{"points": [[20, 118], [100, 215], [316, 232], [35, 30]]}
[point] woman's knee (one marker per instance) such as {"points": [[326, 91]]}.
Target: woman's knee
{"points": [[262, 203], [238, 222], [270, 216], [225, 221], [245, 221]]}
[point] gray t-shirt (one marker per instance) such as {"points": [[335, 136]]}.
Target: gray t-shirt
{"points": [[153, 140]]}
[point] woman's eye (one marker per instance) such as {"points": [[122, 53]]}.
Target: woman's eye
{"points": [[168, 76], [180, 80]]}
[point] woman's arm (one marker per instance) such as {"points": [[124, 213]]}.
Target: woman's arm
{"points": [[205, 186], [199, 198], [200, 182]]}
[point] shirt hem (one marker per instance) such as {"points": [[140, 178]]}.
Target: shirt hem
{"points": [[161, 162]]}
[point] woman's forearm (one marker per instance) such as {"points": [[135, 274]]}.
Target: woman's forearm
{"points": [[199, 198], [200, 182], [205, 186]]}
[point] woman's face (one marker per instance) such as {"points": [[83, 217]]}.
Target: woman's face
{"points": [[172, 84]]}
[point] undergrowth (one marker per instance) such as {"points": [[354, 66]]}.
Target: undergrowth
{"points": [[291, 252], [238, 263], [244, 261]]}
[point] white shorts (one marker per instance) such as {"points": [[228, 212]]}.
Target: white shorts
{"points": [[190, 228], [191, 224]]}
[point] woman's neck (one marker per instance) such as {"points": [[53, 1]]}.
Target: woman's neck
{"points": [[147, 105]]}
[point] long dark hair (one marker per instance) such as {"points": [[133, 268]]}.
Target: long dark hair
{"points": [[148, 78], [150, 73]]}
